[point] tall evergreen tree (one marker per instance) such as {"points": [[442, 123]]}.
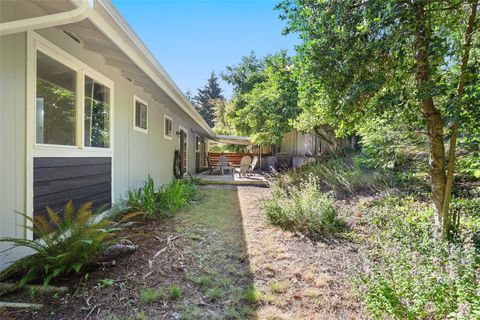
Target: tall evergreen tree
{"points": [[206, 97]]}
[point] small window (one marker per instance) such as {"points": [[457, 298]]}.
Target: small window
{"points": [[141, 116], [56, 115], [168, 127], [198, 142], [97, 114]]}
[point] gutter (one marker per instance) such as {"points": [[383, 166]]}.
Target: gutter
{"points": [[80, 13]]}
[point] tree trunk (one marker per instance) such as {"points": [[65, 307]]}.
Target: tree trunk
{"points": [[432, 116], [328, 137], [460, 91]]}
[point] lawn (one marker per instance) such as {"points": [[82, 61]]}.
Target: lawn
{"points": [[192, 266], [217, 259]]}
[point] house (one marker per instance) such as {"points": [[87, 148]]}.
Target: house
{"points": [[86, 112]]}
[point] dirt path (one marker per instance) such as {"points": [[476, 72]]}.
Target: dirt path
{"points": [[217, 260], [298, 278]]}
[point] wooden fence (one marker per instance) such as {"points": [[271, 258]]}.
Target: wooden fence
{"points": [[233, 158]]}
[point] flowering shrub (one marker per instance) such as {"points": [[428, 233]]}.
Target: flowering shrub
{"points": [[411, 275]]}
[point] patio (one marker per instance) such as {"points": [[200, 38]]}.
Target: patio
{"points": [[254, 179]]}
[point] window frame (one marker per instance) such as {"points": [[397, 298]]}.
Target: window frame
{"points": [[165, 118], [198, 145], [135, 100], [82, 70], [181, 128]]}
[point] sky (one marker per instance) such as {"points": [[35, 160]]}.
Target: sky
{"points": [[191, 38]]}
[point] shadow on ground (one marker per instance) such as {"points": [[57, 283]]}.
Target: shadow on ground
{"points": [[192, 266]]}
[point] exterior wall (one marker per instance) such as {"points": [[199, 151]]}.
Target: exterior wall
{"points": [[296, 143], [12, 138], [135, 154]]}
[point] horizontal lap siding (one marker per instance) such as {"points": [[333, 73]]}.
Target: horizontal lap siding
{"points": [[59, 180]]}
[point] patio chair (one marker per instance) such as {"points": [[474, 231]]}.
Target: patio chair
{"points": [[245, 165], [223, 165], [252, 165]]}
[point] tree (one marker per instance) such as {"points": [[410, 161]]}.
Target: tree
{"points": [[362, 58], [265, 97], [189, 96], [205, 97]]}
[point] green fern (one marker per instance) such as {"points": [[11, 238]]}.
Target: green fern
{"points": [[65, 245]]}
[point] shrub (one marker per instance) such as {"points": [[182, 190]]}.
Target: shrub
{"points": [[387, 141], [66, 246], [145, 198], [164, 201], [303, 208], [176, 195], [339, 175], [469, 164], [410, 274]]}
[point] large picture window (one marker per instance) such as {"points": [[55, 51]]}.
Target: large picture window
{"points": [[60, 117], [56, 102], [97, 114]]}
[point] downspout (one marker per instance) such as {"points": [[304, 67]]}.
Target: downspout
{"points": [[52, 20]]}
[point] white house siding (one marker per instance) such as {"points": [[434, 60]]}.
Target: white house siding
{"points": [[12, 137], [135, 154]]}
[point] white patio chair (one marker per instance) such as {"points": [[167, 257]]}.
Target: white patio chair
{"points": [[252, 165], [245, 165], [223, 163]]}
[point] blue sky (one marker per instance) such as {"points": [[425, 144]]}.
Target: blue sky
{"points": [[193, 38]]}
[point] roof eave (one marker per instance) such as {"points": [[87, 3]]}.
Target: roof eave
{"points": [[144, 59]]}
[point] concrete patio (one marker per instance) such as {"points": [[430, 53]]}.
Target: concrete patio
{"points": [[254, 179]]}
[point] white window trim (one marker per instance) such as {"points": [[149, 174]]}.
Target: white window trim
{"points": [[82, 70], [170, 137], [135, 128], [186, 142], [36, 42]]}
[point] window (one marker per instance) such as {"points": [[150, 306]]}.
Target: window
{"points": [[56, 113], [184, 134], [141, 115], [97, 114], [61, 118], [198, 142], [167, 133]]}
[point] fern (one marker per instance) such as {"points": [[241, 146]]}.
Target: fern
{"points": [[65, 245]]}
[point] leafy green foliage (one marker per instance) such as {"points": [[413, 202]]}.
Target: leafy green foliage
{"points": [[67, 245], [469, 164], [341, 175], [176, 195], [371, 59], [302, 208], [386, 141], [164, 201], [145, 198], [265, 97], [412, 275]]}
